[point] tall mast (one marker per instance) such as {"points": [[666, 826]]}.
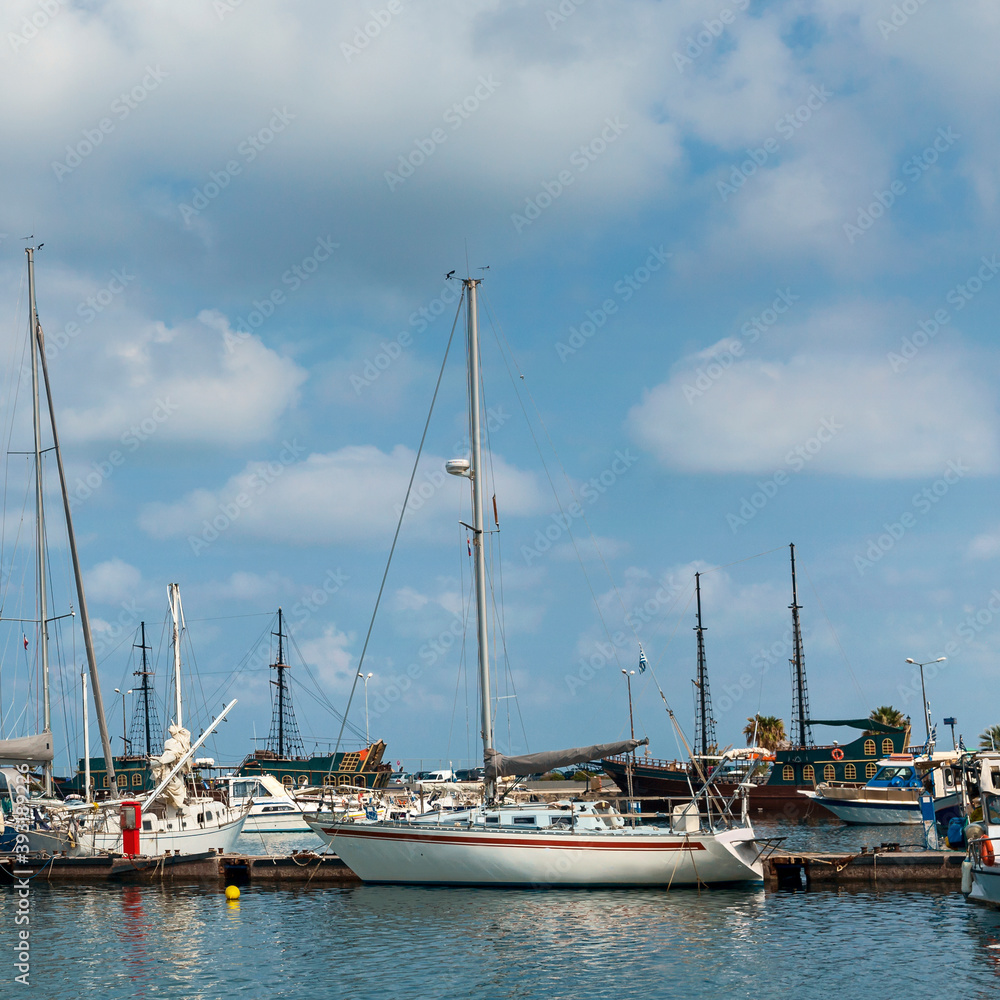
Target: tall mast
{"points": [[800, 708], [280, 667], [176, 612], [478, 530], [88, 639], [86, 738], [36, 419], [705, 740], [284, 737], [145, 673]]}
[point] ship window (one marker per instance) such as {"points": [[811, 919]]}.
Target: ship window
{"points": [[808, 773], [829, 772], [788, 773], [137, 779], [887, 746], [329, 779], [122, 780], [524, 821], [147, 824], [492, 819], [850, 772], [288, 781], [991, 808], [870, 769], [869, 748], [104, 781], [208, 816]]}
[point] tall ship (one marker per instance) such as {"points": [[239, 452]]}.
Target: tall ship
{"points": [[774, 784], [284, 756]]}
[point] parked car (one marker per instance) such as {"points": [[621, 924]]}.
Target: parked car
{"points": [[399, 779], [471, 774]]}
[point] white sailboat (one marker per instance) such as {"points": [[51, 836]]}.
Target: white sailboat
{"points": [[558, 844], [175, 818]]}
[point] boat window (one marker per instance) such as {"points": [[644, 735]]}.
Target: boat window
{"points": [[524, 821], [208, 815], [809, 773], [492, 819], [147, 824], [288, 781], [870, 769], [122, 780], [850, 772], [869, 748], [991, 808], [137, 779], [887, 746], [829, 772], [303, 780], [788, 773]]}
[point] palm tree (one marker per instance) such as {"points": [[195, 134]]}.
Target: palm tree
{"points": [[889, 716], [768, 729], [989, 739]]}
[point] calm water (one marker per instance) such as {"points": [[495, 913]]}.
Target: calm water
{"points": [[392, 942]]}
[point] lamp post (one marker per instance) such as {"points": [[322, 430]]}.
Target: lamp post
{"points": [[923, 692], [366, 679]]}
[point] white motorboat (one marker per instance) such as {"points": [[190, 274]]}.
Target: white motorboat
{"points": [[981, 869], [564, 844], [272, 808], [892, 795]]}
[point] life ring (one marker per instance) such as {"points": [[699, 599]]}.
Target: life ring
{"points": [[837, 753], [986, 852]]}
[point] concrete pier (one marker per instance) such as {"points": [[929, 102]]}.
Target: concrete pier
{"points": [[886, 867]]}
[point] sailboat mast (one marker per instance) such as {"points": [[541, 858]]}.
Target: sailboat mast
{"points": [[801, 697], [703, 741], [86, 738], [174, 592], [43, 611], [145, 687], [476, 471], [88, 639], [280, 666]]}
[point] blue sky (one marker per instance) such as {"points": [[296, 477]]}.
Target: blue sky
{"points": [[742, 253]]}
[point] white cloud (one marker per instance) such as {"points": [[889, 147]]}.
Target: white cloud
{"points": [[346, 496], [196, 381], [849, 415], [329, 654], [112, 582]]}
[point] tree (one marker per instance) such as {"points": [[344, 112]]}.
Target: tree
{"points": [[889, 716], [989, 739], [769, 731]]}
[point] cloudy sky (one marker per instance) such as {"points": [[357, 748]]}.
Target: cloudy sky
{"points": [[740, 294]]}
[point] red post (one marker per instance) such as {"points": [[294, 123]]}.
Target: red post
{"points": [[130, 818]]}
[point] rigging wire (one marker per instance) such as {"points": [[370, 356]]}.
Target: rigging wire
{"points": [[399, 523]]}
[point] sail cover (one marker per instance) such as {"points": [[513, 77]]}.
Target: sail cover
{"points": [[499, 766], [27, 749]]}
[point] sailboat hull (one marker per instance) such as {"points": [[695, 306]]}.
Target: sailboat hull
{"points": [[424, 854]]}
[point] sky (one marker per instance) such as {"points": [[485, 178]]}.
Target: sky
{"points": [[738, 266]]}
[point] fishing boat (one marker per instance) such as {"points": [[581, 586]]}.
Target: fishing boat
{"points": [[892, 796], [703, 840], [981, 869], [773, 784]]}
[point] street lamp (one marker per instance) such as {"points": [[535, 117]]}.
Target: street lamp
{"points": [[366, 679], [923, 692]]}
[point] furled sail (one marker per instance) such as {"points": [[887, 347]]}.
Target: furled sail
{"points": [[27, 749], [499, 766]]}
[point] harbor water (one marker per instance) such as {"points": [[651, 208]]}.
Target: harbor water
{"points": [[358, 941]]}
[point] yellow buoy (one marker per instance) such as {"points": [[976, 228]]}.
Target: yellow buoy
{"points": [[232, 892]]}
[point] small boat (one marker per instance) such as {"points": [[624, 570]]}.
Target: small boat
{"points": [[272, 808], [981, 869], [704, 839], [892, 795]]}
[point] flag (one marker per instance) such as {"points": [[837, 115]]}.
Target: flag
{"points": [[468, 542], [643, 662], [25, 641]]}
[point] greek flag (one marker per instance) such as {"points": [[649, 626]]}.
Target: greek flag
{"points": [[643, 662]]}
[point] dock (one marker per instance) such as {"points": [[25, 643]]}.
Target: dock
{"points": [[210, 866], [886, 867]]}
